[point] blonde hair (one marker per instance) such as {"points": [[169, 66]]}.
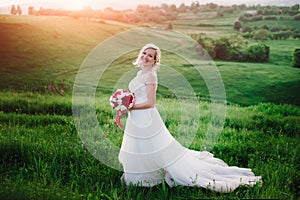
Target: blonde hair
{"points": [[139, 61]]}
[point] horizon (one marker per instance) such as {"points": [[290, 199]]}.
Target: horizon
{"points": [[122, 5]]}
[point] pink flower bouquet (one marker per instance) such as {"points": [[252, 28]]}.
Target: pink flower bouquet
{"points": [[122, 100]]}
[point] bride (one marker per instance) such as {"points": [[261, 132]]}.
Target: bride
{"points": [[149, 153]]}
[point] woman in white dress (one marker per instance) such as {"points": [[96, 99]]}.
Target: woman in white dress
{"points": [[149, 153]]}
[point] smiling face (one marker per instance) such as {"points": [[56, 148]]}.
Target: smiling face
{"points": [[148, 57]]}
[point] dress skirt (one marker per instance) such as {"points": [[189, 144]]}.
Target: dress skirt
{"points": [[150, 154]]}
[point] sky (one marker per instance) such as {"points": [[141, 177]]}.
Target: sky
{"points": [[126, 4]]}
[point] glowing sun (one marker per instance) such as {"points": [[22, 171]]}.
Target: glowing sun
{"points": [[75, 4]]}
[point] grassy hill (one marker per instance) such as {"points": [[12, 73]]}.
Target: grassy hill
{"points": [[38, 50]]}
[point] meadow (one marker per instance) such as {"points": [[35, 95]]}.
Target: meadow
{"points": [[42, 156]]}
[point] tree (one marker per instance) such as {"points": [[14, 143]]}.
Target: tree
{"points": [[170, 26], [295, 7], [237, 25], [182, 8], [19, 10], [165, 7], [195, 7], [13, 10], [173, 8], [243, 6], [31, 10], [212, 6]]}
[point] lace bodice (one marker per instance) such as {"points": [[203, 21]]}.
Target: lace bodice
{"points": [[138, 85]]}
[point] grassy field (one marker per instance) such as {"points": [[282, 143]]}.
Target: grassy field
{"points": [[42, 156], [206, 22]]}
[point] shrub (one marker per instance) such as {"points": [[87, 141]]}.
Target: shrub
{"points": [[277, 28], [221, 49], [243, 19], [293, 12], [297, 17], [251, 18], [256, 18], [248, 15], [220, 14], [260, 12], [296, 57], [296, 35], [246, 29], [258, 53], [270, 12], [206, 43], [265, 27], [261, 35], [228, 10], [281, 35], [233, 48], [254, 53], [237, 55], [247, 35], [270, 18], [209, 47]]}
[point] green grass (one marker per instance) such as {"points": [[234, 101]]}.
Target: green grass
{"points": [[42, 155], [206, 22], [281, 51], [37, 50], [286, 23], [249, 83]]}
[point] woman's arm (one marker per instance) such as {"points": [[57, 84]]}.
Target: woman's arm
{"points": [[151, 95]]}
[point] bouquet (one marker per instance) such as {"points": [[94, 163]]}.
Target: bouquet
{"points": [[122, 101]]}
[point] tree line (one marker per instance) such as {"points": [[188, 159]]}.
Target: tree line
{"points": [[147, 13]]}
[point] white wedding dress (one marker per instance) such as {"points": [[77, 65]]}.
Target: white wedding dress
{"points": [[149, 153]]}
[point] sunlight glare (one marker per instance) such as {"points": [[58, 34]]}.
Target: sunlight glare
{"points": [[75, 4]]}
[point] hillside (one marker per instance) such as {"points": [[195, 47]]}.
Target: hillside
{"points": [[36, 50]]}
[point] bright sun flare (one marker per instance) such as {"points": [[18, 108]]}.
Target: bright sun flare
{"points": [[75, 4]]}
